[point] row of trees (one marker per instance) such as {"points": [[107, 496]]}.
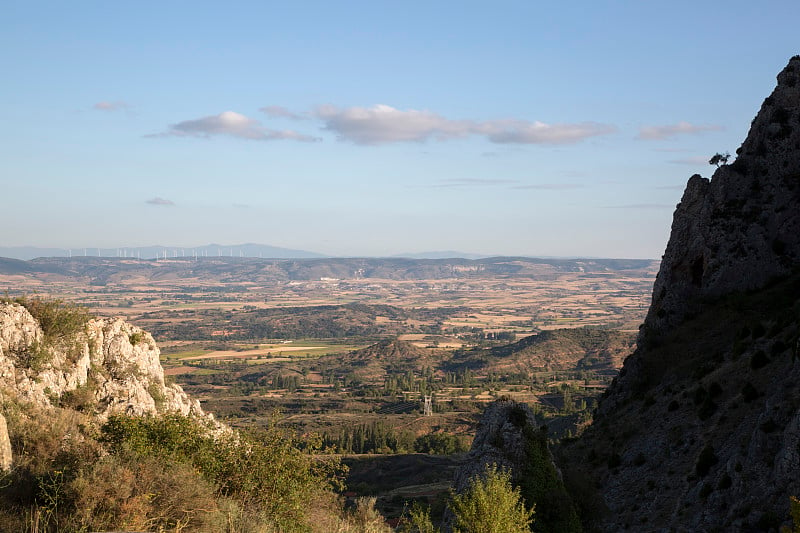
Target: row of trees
{"points": [[378, 437]]}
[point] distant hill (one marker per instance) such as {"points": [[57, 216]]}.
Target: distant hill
{"points": [[14, 266], [227, 269], [559, 349], [448, 254], [382, 358]]}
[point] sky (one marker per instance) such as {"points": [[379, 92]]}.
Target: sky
{"points": [[374, 128]]}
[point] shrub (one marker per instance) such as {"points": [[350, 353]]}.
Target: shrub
{"points": [[706, 460], [614, 460], [490, 505], [60, 321], [439, 444], [749, 392], [80, 398], [778, 348], [418, 520], [706, 409], [37, 356], [57, 318], [769, 426], [156, 391], [759, 360], [263, 471], [144, 493], [136, 338]]}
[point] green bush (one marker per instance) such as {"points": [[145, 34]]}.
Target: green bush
{"points": [[439, 444], [490, 505]]}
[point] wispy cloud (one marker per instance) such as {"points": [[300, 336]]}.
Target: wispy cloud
{"points": [[231, 124], [473, 182], [276, 111], [650, 133], [641, 206], [111, 106], [160, 201], [550, 186], [524, 132], [671, 150], [383, 124], [696, 160]]}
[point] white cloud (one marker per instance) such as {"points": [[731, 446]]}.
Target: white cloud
{"points": [[383, 124], [551, 186], [160, 201], [276, 111], [650, 133], [110, 106], [232, 124]]}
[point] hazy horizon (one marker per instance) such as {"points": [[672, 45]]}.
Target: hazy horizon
{"points": [[368, 129], [246, 250]]}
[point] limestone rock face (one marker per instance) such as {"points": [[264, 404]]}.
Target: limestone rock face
{"points": [[741, 228], [112, 365], [499, 440], [509, 438], [5, 446]]}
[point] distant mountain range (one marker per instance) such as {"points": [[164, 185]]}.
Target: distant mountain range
{"points": [[26, 253]]}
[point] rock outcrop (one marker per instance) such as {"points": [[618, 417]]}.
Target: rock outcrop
{"points": [[509, 438], [701, 430], [108, 367]]}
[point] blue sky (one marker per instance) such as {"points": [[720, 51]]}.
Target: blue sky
{"points": [[374, 128]]}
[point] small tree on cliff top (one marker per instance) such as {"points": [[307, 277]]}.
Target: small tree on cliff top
{"points": [[719, 159]]}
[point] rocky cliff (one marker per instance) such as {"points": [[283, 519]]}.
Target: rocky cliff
{"points": [[741, 228], [106, 366], [701, 431]]}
